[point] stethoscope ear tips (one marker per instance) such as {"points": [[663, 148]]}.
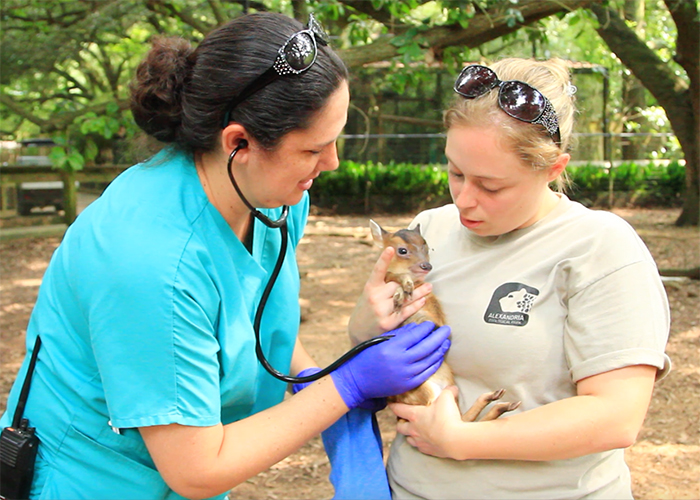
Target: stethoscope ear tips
{"points": [[241, 145]]}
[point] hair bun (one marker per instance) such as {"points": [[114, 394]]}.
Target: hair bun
{"points": [[157, 88]]}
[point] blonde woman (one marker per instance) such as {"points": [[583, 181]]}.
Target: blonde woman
{"points": [[559, 305]]}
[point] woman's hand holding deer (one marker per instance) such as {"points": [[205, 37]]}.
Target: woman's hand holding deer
{"points": [[374, 313]]}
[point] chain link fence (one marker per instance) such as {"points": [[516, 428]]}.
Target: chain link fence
{"points": [[595, 148]]}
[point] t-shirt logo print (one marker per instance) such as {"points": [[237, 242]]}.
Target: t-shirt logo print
{"points": [[510, 304]]}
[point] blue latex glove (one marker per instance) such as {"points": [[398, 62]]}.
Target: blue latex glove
{"points": [[395, 366], [304, 373], [373, 405]]}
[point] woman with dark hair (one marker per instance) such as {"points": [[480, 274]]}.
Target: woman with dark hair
{"points": [[146, 384]]}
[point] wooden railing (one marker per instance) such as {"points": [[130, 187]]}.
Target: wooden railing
{"points": [[12, 175]]}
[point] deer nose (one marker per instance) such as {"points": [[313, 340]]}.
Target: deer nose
{"points": [[426, 266]]}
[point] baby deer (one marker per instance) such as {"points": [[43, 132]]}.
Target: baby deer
{"points": [[409, 267]]}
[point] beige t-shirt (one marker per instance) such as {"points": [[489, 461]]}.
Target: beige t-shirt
{"points": [[533, 311]]}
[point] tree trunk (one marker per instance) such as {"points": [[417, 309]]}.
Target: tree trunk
{"points": [[691, 201], [686, 15], [680, 100], [301, 10], [70, 196], [633, 94]]}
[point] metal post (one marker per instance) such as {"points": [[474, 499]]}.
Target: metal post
{"points": [[607, 149]]}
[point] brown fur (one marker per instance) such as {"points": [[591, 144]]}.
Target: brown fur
{"points": [[408, 268]]}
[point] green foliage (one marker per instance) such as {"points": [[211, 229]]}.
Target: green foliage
{"points": [[650, 184], [461, 14], [64, 59], [65, 157], [513, 17], [410, 44], [409, 188], [378, 187], [105, 126], [330, 10]]}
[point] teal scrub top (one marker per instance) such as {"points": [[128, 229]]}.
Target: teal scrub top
{"points": [[146, 318]]}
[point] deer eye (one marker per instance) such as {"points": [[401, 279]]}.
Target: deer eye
{"points": [[402, 250]]}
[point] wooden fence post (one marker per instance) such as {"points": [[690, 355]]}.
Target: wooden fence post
{"points": [[70, 196]]}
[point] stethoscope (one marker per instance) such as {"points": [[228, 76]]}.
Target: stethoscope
{"points": [[281, 223]]}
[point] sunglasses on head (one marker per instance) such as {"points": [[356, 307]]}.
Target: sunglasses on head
{"points": [[294, 57], [518, 99]]}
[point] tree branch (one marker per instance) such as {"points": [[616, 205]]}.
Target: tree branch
{"points": [[218, 12], [657, 76], [91, 74], [69, 78], [62, 96], [58, 122], [687, 18], [363, 6], [483, 27], [10, 104], [167, 8]]}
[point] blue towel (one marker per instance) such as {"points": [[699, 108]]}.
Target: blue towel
{"points": [[354, 447]]}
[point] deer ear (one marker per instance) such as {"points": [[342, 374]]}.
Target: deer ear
{"points": [[377, 233]]}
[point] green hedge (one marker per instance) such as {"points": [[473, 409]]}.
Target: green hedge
{"points": [[636, 184], [378, 187], [408, 188]]}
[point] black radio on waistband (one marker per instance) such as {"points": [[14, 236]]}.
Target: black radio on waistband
{"points": [[18, 446]]}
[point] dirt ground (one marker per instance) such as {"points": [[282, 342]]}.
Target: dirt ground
{"points": [[335, 257]]}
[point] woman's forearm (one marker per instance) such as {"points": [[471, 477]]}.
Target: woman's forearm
{"points": [[199, 462], [280, 431], [607, 413], [565, 429]]}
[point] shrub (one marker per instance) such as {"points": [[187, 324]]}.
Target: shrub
{"points": [[408, 188], [648, 184], [378, 187]]}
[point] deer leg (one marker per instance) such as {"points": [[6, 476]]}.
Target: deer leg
{"points": [[499, 409], [398, 299], [403, 293], [481, 403], [408, 286]]}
